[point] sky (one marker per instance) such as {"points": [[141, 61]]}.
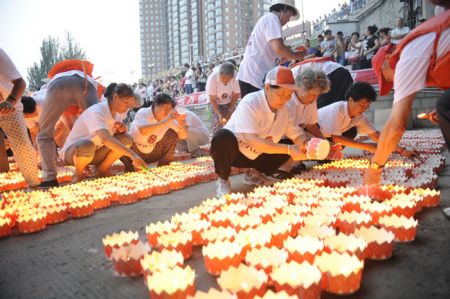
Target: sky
{"points": [[108, 30]]}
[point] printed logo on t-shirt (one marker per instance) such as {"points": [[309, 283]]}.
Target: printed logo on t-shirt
{"points": [[247, 150], [225, 96], [151, 139]]}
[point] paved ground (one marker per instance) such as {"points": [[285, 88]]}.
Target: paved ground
{"points": [[67, 261]]}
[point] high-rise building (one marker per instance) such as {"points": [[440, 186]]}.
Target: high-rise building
{"points": [[174, 32]]}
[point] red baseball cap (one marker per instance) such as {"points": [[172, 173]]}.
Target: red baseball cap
{"points": [[281, 76], [377, 63]]}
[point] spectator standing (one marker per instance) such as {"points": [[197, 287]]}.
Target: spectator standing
{"points": [[265, 48], [328, 46], [200, 77], [340, 48], [372, 44], [354, 49], [12, 122], [385, 37], [399, 32], [189, 79]]}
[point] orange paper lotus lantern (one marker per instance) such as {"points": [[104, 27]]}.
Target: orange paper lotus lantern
{"points": [[279, 231], [403, 228], [172, 283], [57, 214], [127, 259], [246, 222], [403, 207], [213, 293], [320, 232], [178, 241], [303, 248], [376, 210], [244, 281], [294, 220], [346, 243], [298, 279], [196, 228], [221, 255], [253, 238], [214, 234], [80, 209], [5, 227], [161, 261], [353, 203], [348, 222], [341, 272], [431, 197], [266, 259], [155, 230], [31, 221], [118, 240], [380, 242]]}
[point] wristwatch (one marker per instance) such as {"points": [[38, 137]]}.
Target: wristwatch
{"points": [[375, 166]]}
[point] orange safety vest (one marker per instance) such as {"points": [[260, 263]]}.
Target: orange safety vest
{"points": [[313, 60], [438, 72]]}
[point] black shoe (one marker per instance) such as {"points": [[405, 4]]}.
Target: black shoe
{"points": [[297, 169], [48, 184], [282, 175]]}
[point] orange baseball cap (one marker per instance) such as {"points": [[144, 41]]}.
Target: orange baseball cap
{"points": [[281, 76]]}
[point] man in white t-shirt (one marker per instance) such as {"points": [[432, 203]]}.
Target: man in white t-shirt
{"points": [[342, 121], [189, 82], [155, 131], [339, 76], [12, 123], [418, 61], [399, 32], [99, 138], [252, 136], [223, 90], [265, 48], [70, 87], [197, 134], [328, 46]]}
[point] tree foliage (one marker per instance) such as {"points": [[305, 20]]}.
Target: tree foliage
{"points": [[52, 51]]}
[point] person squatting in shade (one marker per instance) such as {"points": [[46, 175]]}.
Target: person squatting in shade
{"points": [[155, 131], [99, 138], [197, 134], [223, 91], [252, 137], [343, 120]]}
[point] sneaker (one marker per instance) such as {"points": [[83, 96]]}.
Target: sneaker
{"points": [[282, 175], [223, 187], [258, 179], [48, 184], [297, 169]]}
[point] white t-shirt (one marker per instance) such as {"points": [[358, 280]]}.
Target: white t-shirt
{"points": [[31, 122], [253, 116], [329, 46], [412, 68], [145, 117], [8, 73], [303, 114], [398, 31], [222, 92], [259, 57], [326, 66], [335, 120], [193, 121], [189, 77], [96, 117]]}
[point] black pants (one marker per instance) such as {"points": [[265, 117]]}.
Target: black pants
{"points": [[443, 111], [341, 79], [246, 88], [350, 133], [225, 153]]}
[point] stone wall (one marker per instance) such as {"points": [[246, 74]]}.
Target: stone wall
{"points": [[382, 13]]}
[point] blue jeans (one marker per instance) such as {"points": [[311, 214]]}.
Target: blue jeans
{"points": [[188, 89], [340, 59]]}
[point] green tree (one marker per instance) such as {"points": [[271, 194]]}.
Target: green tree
{"points": [[51, 53]]}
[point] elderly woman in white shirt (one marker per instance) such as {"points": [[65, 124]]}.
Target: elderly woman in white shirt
{"points": [[99, 138], [156, 130]]}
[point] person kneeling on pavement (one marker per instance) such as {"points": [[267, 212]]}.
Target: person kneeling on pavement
{"points": [[197, 135], [155, 131], [98, 138], [252, 136]]}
